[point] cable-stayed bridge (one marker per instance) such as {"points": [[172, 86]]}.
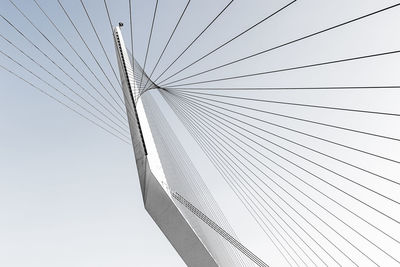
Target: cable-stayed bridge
{"points": [[259, 149]]}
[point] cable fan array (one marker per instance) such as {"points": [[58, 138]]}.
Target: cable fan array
{"points": [[315, 165]]}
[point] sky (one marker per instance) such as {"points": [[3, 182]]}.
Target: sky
{"points": [[69, 193]]}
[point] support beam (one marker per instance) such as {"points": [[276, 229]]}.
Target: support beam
{"points": [[157, 200]]}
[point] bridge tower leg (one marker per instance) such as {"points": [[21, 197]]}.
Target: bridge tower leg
{"points": [[156, 195]]}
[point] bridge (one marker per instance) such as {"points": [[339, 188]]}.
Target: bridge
{"points": [[264, 158]]}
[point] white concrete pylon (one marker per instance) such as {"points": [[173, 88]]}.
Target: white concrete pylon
{"points": [[156, 196]]}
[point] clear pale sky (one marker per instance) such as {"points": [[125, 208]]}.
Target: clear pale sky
{"points": [[69, 193]]}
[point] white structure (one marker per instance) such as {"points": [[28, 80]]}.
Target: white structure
{"points": [[156, 196]]}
